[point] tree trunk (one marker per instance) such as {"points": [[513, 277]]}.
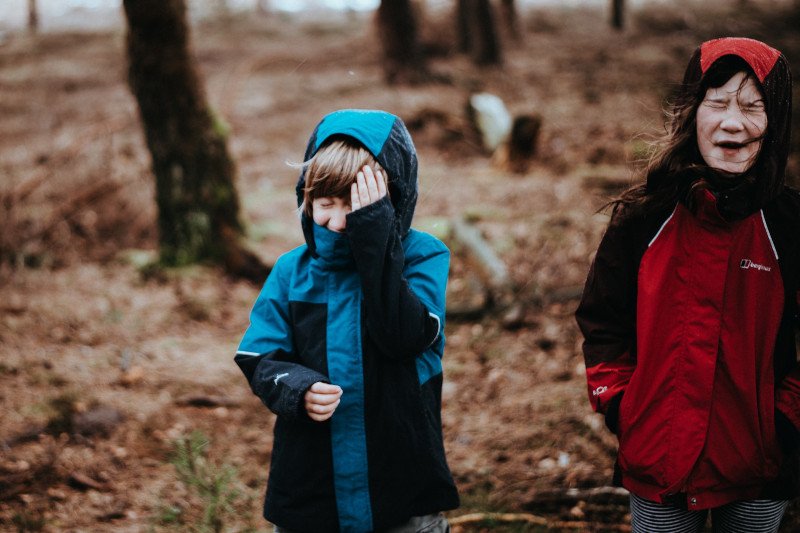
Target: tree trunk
{"points": [[221, 8], [462, 27], [398, 34], [476, 30], [33, 16], [523, 142], [263, 7], [510, 19], [198, 208], [617, 14]]}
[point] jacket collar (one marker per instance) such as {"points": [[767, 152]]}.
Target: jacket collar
{"points": [[332, 249]]}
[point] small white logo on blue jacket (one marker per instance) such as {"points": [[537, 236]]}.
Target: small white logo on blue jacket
{"points": [[279, 376]]}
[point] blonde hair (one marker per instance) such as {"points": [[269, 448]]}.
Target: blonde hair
{"points": [[332, 170]]}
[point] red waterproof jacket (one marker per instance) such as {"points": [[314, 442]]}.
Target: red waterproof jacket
{"points": [[689, 326]]}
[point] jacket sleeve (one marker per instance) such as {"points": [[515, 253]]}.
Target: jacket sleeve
{"points": [[787, 416], [787, 412], [404, 303], [266, 355], [606, 316], [783, 219]]}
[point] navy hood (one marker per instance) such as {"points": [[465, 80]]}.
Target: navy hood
{"points": [[385, 136]]}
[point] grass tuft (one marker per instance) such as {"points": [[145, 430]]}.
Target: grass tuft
{"points": [[213, 484]]}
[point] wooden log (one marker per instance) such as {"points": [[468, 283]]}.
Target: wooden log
{"points": [[496, 272], [490, 119], [515, 155]]}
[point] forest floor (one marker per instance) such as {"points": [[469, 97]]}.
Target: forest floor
{"points": [[108, 368]]}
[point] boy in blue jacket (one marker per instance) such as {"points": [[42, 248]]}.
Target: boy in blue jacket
{"points": [[346, 339]]}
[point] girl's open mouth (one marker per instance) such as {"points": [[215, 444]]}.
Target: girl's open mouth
{"points": [[731, 145]]}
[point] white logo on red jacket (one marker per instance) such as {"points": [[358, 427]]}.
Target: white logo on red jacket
{"points": [[747, 264], [599, 390]]}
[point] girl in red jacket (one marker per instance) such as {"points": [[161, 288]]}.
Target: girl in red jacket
{"points": [[691, 304]]}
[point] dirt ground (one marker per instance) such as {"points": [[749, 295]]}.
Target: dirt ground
{"points": [[108, 366]]}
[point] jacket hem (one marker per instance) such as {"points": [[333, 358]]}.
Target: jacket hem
{"points": [[695, 501]]}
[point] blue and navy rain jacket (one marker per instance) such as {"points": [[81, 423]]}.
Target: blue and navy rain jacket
{"points": [[363, 309]]}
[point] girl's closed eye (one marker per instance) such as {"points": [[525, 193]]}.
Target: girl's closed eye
{"points": [[754, 107], [715, 104]]}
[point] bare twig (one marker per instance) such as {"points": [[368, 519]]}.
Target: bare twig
{"points": [[474, 518], [68, 209]]}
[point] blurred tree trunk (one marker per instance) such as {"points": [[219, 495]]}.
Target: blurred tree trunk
{"points": [[476, 31], [510, 19], [397, 31], [198, 209], [33, 16], [462, 27], [263, 6], [617, 14], [221, 8]]}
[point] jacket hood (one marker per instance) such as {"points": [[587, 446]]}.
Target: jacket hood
{"points": [[772, 71], [385, 136]]}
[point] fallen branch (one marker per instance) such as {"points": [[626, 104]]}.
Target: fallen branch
{"points": [[81, 481], [477, 518], [199, 400], [565, 294], [496, 270], [76, 204], [20, 192], [575, 495]]}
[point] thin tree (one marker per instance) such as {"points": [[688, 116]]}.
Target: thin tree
{"points": [[476, 30], [399, 37], [33, 16], [617, 14], [510, 18], [263, 7], [221, 8], [198, 208]]}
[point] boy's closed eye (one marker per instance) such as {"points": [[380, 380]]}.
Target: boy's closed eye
{"points": [[330, 212]]}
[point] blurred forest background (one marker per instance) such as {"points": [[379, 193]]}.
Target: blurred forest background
{"points": [[121, 305]]}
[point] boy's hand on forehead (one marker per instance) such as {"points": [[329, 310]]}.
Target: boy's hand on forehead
{"points": [[369, 188]]}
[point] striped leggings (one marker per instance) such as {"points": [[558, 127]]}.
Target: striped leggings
{"points": [[750, 516]]}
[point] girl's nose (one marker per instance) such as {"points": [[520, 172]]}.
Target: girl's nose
{"points": [[733, 119]]}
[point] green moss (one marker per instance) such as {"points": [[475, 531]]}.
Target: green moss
{"points": [[219, 125]]}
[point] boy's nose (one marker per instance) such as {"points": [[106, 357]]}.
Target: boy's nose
{"points": [[338, 222]]}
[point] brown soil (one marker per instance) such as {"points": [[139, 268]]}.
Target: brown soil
{"points": [[99, 356]]}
